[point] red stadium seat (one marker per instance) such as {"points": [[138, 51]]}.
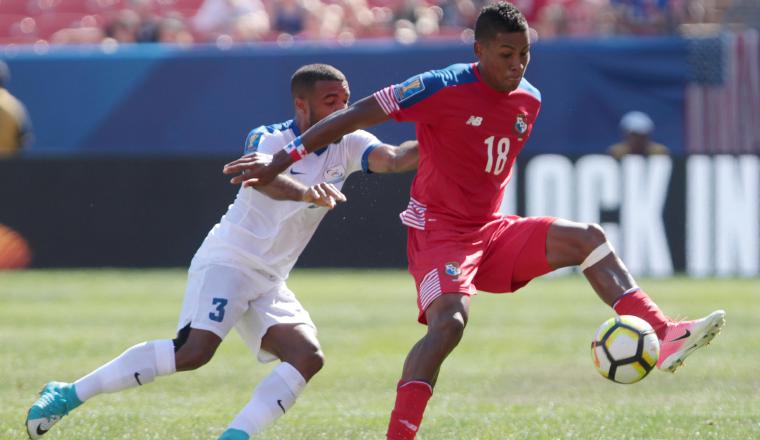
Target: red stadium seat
{"points": [[6, 23], [73, 6], [16, 40], [187, 4], [37, 7], [48, 24], [42, 6], [106, 5], [26, 27], [14, 7], [186, 13]]}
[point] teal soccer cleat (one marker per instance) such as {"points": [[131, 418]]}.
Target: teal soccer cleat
{"points": [[56, 400], [234, 434]]}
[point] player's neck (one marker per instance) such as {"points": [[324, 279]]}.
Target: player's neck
{"points": [[491, 84], [301, 123]]}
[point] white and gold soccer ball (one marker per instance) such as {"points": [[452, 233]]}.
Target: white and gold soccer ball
{"points": [[625, 349]]}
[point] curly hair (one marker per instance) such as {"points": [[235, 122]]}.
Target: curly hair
{"points": [[499, 17]]}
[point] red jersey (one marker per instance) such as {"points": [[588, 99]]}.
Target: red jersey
{"points": [[469, 135]]}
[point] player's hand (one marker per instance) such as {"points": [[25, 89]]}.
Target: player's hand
{"points": [[254, 169], [324, 194]]}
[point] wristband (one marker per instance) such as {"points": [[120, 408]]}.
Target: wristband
{"points": [[295, 149]]}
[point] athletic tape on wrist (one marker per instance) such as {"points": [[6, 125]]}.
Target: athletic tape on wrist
{"points": [[596, 255], [295, 149]]}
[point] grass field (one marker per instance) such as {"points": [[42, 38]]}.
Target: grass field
{"points": [[523, 370]]}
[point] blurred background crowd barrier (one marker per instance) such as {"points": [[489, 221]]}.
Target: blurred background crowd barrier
{"points": [[121, 161]]}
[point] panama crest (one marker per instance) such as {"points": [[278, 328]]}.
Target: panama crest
{"points": [[452, 269], [521, 125]]}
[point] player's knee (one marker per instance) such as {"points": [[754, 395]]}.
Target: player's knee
{"points": [[593, 235], [596, 233], [450, 329], [192, 357], [308, 362], [313, 362]]}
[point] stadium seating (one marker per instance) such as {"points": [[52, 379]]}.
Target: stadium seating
{"points": [[27, 21], [20, 7]]}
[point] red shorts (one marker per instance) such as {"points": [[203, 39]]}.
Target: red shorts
{"points": [[500, 257]]}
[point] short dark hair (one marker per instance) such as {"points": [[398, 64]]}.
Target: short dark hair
{"points": [[306, 76], [499, 17]]}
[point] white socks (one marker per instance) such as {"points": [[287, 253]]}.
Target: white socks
{"points": [[141, 364], [271, 398], [137, 366]]}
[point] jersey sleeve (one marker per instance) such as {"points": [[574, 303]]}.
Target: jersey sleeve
{"points": [[261, 140], [418, 99], [359, 145]]}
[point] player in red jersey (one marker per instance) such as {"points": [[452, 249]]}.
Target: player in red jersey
{"points": [[472, 121]]}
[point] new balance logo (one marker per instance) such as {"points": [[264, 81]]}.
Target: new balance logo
{"points": [[475, 121]]}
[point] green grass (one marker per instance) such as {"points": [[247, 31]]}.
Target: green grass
{"points": [[523, 370]]}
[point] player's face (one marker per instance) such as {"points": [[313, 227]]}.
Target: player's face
{"points": [[503, 59], [327, 97]]}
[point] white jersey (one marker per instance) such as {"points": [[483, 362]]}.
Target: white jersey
{"points": [[267, 234]]}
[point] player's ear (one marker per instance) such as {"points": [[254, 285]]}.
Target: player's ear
{"points": [[301, 106], [478, 48]]}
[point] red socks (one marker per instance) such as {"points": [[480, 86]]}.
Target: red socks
{"points": [[638, 303], [411, 399]]}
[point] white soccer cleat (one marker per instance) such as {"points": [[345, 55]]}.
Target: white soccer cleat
{"points": [[683, 338]]}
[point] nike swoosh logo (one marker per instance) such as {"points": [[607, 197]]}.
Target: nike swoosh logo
{"points": [[41, 431], [279, 402], [684, 336], [137, 378], [294, 172]]}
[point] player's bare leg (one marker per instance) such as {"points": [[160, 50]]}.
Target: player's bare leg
{"points": [[136, 366], [569, 244], [446, 318], [296, 345], [197, 350]]}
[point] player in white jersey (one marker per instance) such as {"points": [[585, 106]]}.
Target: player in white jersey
{"points": [[237, 277]]}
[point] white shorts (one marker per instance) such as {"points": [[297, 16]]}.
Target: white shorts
{"points": [[219, 297]]}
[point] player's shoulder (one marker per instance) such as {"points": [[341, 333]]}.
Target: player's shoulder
{"points": [[530, 89], [358, 142], [360, 136], [255, 136], [427, 84]]}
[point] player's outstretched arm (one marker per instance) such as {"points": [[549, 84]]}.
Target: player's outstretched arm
{"points": [[324, 194], [364, 113], [394, 159], [286, 188]]}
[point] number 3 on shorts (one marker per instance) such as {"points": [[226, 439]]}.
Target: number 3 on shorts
{"points": [[218, 315]]}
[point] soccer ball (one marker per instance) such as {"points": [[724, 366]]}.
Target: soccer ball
{"points": [[625, 349]]}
